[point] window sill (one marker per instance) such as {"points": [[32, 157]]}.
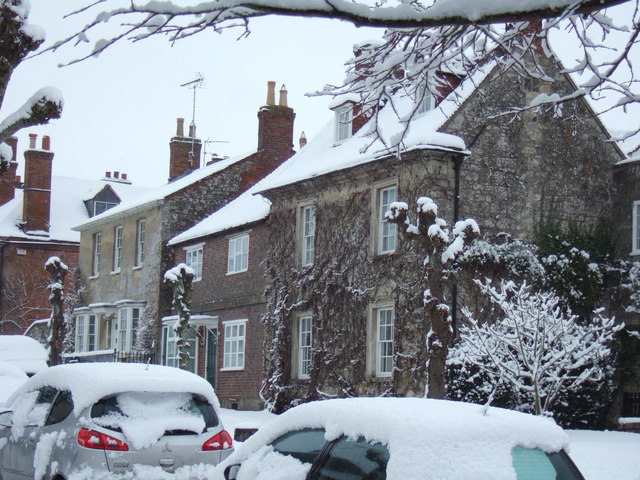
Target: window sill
{"points": [[239, 271], [114, 272], [93, 277], [232, 369], [137, 267], [635, 252]]}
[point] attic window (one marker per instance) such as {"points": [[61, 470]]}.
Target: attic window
{"points": [[425, 101], [100, 207], [344, 119]]}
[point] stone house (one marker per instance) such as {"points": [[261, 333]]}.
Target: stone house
{"points": [[36, 220], [344, 291], [124, 252]]}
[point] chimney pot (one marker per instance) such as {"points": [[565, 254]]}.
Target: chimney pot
{"points": [[116, 174], [192, 130], [180, 127], [283, 96], [46, 142], [123, 176], [107, 174], [32, 140], [271, 92]]}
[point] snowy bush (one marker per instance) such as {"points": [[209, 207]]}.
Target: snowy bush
{"points": [[536, 352]]}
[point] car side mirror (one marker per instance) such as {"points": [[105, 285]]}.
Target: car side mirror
{"points": [[231, 472]]}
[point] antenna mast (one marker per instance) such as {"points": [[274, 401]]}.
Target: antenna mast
{"points": [[195, 84]]}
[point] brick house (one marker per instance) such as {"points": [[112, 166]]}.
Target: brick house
{"points": [[124, 252], [36, 220], [344, 295], [228, 288]]}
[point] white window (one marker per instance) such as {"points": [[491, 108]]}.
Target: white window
{"points": [[170, 347], [387, 232], [635, 245], [100, 207], [127, 327], [140, 227], [308, 235], [426, 101], [344, 120], [86, 333], [117, 248], [193, 259], [384, 341], [304, 346], [97, 252], [234, 342], [238, 254]]}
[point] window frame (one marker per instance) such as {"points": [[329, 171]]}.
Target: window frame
{"points": [[308, 226], [87, 333], [233, 356], [385, 230], [235, 256], [104, 206], [344, 122], [128, 335], [381, 352], [170, 338], [426, 101], [96, 254], [304, 347], [197, 267], [117, 248], [140, 240], [635, 228]]}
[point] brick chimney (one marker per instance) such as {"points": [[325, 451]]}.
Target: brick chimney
{"points": [[36, 209], [275, 125], [8, 178], [184, 152]]}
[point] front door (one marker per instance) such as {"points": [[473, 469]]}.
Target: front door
{"points": [[212, 352]]}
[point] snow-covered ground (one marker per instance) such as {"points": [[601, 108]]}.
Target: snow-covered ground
{"points": [[599, 455]]}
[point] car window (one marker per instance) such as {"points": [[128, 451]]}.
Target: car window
{"points": [[534, 464], [38, 413], [61, 408], [351, 459], [305, 445]]}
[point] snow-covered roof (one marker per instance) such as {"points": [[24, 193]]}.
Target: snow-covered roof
{"points": [[24, 352], [322, 155], [158, 194], [246, 209], [67, 207], [428, 439], [89, 382]]}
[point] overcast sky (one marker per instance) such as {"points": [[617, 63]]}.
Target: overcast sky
{"points": [[120, 108]]}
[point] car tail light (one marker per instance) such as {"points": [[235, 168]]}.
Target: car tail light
{"points": [[220, 441], [98, 440]]}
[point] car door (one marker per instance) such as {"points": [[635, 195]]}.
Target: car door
{"points": [[30, 415]]}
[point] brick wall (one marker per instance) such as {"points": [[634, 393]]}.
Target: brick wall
{"points": [[25, 296]]}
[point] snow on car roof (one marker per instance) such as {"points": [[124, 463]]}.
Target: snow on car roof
{"points": [[24, 352], [427, 439], [89, 382], [11, 377]]}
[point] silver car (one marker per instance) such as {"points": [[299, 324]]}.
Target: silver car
{"points": [[107, 417]]}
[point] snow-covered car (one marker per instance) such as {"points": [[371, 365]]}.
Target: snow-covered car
{"points": [[11, 377], [403, 439], [107, 418]]}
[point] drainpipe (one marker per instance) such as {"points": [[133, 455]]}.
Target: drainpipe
{"points": [[457, 166], [3, 246]]}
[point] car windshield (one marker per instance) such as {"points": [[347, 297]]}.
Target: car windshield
{"points": [[534, 464], [175, 413]]}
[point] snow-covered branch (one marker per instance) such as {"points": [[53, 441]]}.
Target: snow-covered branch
{"points": [[181, 278]]}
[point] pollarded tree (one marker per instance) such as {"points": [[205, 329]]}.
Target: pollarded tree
{"points": [[425, 45], [181, 278], [440, 248], [17, 40], [537, 348], [55, 341]]}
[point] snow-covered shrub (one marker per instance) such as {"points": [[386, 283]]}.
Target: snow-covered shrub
{"points": [[145, 334], [535, 349]]}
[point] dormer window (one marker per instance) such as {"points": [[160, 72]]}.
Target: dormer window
{"points": [[344, 119], [100, 207], [425, 101], [102, 201]]}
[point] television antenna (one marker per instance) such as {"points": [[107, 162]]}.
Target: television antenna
{"points": [[194, 85]]}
